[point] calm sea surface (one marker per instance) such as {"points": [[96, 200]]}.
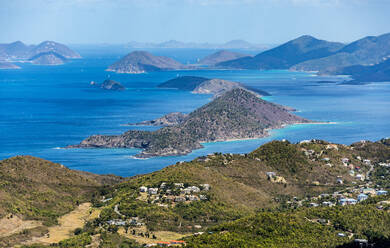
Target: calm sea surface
{"points": [[43, 108]]}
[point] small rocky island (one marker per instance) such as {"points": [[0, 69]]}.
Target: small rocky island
{"points": [[142, 62], [237, 114], [201, 85], [109, 85], [48, 58]]}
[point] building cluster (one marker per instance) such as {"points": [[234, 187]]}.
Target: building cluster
{"points": [[171, 243], [175, 193], [133, 221]]}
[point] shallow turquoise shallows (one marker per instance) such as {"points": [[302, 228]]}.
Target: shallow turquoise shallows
{"points": [[43, 108]]}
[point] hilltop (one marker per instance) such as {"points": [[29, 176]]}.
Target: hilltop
{"points": [[286, 55], [141, 62], [201, 85], [237, 114], [220, 56], [17, 51]]}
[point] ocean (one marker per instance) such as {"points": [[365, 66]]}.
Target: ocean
{"points": [[44, 108]]}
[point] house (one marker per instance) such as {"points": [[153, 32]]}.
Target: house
{"points": [[163, 244], [362, 197], [143, 189], [179, 185], [347, 201], [180, 199], [381, 192], [203, 197], [193, 198], [163, 185], [359, 177], [367, 162], [345, 160], [326, 159], [153, 191], [194, 189], [205, 186], [351, 172], [313, 204], [368, 191], [340, 181], [327, 203], [270, 174], [177, 242]]}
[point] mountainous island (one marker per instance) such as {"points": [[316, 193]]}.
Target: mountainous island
{"points": [[309, 194], [307, 53], [109, 84], [48, 58], [201, 85], [237, 114], [45, 53], [220, 56], [141, 62]]}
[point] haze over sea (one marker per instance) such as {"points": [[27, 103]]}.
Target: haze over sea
{"points": [[43, 108]]}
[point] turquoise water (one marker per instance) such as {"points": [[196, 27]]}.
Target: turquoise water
{"points": [[43, 108]]}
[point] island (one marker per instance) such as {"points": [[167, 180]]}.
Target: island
{"points": [[7, 65], [109, 84], [220, 56], [237, 114], [201, 85], [48, 58], [142, 62]]}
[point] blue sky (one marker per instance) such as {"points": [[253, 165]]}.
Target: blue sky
{"points": [[215, 21]]}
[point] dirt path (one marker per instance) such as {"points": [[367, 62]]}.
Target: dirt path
{"points": [[67, 224], [9, 226]]}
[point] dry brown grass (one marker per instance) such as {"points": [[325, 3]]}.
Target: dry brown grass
{"points": [[14, 225], [161, 235]]}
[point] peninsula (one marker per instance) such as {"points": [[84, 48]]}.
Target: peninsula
{"points": [[237, 114]]}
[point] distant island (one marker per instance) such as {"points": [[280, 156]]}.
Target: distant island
{"points": [[307, 53], [7, 65], [201, 85], [220, 56], [45, 53], [237, 114], [142, 61], [109, 85], [48, 58]]}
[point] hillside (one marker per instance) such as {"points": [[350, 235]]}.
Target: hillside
{"points": [[33, 190], [17, 51], [191, 196], [261, 199], [366, 51], [171, 119], [141, 62], [200, 85], [220, 56], [375, 73], [237, 114], [343, 227], [286, 55], [48, 58]]}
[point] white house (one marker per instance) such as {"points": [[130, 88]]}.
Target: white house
{"points": [[153, 191], [143, 189]]}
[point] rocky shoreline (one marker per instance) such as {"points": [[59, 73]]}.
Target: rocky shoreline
{"points": [[237, 114]]}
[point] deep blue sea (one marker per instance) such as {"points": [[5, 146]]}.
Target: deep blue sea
{"points": [[43, 108]]}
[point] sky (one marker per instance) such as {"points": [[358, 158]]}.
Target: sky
{"points": [[214, 21]]}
